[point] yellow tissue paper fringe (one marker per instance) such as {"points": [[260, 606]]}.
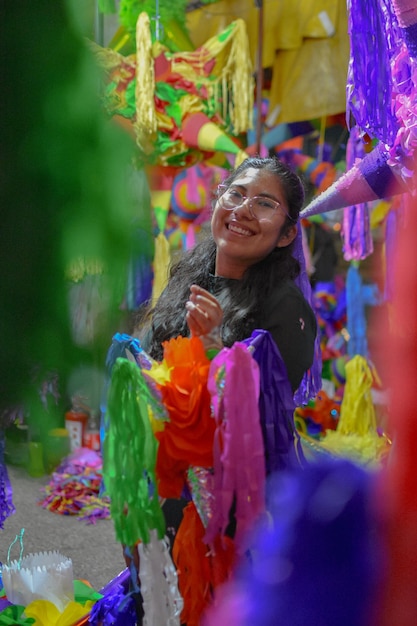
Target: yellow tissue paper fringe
{"points": [[230, 83], [81, 267], [45, 613], [356, 436], [239, 69], [161, 264], [146, 122], [106, 58]]}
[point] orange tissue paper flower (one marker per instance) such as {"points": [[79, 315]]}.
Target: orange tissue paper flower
{"points": [[187, 438]]}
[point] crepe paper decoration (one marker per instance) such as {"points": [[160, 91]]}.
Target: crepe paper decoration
{"points": [[330, 308], [45, 575], [126, 346], [13, 615], [168, 99], [356, 231], [6, 492], [276, 404], [79, 268], [117, 606], [200, 484], [322, 174], [270, 138], [393, 223], [139, 283], [190, 238], [375, 41], [129, 455], [169, 18], [239, 465], [201, 570], [75, 488], [201, 133], [319, 172], [45, 613], [139, 271], [323, 411], [358, 296], [162, 602], [388, 169], [311, 381], [161, 182], [187, 438], [83, 591], [356, 436], [191, 192], [317, 520], [161, 265]]}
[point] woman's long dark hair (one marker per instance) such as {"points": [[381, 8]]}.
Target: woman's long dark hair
{"points": [[242, 299]]}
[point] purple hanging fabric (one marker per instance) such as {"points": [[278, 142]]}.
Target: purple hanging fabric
{"points": [[356, 229], [276, 405], [311, 381], [6, 493], [393, 224]]}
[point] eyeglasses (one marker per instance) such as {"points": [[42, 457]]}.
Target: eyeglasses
{"points": [[261, 207]]}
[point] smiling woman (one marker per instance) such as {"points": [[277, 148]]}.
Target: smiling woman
{"points": [[241, 277]]}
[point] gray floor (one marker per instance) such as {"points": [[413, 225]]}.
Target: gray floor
{"points": [[95, 553]]}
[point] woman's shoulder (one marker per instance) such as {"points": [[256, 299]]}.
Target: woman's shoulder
{"points": [[286, 289], [286, 300]]}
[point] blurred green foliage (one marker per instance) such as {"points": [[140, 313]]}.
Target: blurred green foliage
{"points": [[64, 191]]}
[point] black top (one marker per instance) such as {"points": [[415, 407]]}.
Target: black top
{"points": [[291, 321]]}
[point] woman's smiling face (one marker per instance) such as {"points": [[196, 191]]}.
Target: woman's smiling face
{"points": [[243, 240]]}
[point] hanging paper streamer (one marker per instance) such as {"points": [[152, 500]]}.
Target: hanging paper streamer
{"points": [[392, 229], [239, 466], [276, 404], [202, 568], [311, 381], [162, 602], [6, 493], [129, 456], [375, 41], [356, 436], [358, 296], [356, 231], [161, 265]]}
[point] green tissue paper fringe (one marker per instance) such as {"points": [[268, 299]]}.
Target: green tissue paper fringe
{"points": [[129, 457]]}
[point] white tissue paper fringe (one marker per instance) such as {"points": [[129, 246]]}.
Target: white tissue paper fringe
{"points": [[162, 602], [40, 576]]}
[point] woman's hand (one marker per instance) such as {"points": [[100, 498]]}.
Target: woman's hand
{"points": [[204, 317]]}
